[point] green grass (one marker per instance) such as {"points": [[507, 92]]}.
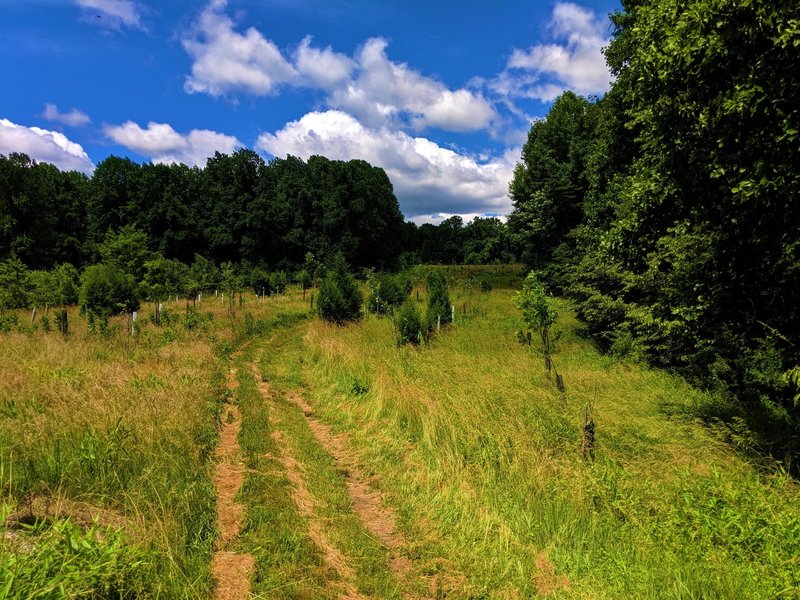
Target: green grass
{"points": [[121, 429], [288, 562], [466, 438], [481, 457], [288, 565]]}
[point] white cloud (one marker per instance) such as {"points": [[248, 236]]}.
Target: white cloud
{"points": [[115, 13], [73, 118], [163, 144], [323, 68], [226, 61], [368, 85], [544, 71], [423, 173], [44, 146], [384, 90]]}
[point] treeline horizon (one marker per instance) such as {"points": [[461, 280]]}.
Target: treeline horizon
{"points": [[238, 209]]}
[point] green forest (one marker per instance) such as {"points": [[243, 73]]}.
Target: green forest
{"points": [[667, 211]]}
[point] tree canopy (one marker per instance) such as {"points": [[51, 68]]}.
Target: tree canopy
{"points": [[668, 208]]}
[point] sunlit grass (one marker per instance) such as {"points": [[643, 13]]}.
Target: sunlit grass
{"points": [[467, 439], [481, 455], [118, 428]]}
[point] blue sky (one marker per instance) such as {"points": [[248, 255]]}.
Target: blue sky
{"points": [[439, 93]]}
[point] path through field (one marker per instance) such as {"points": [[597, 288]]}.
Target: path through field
{"points": [[376, 517], [232, 570], [347, 519]]}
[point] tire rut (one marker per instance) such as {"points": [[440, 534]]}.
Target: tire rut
{"points": [[367, 502], [232, 571]]}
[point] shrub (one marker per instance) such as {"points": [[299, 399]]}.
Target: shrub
{"points": [[260, 281], [127, 250], [15, 284], [408, 323], [387, 292], [164, 277], [203, 275], [438, 300], [537, 309], [303, 278], [56, 287], [277, 283], [106, 290], [339, 298]]}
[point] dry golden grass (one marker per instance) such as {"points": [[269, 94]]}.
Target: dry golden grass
{"points": [[126, 424]]}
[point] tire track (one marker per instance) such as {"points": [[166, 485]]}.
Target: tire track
{"points": [[305, 504], [367, 503], [232, 571]]}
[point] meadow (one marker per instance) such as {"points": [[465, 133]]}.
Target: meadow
{"points": [[372, 470]]}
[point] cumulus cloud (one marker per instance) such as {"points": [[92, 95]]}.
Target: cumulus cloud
{"points": [[368, 85], [383, 90], [423, 173], [225, 60], [73, 118], [163, 144], [544, 71], [322, 68], [115, 13], [44, 146]]}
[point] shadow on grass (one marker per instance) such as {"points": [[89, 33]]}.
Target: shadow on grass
{"points": [[765, 434]]}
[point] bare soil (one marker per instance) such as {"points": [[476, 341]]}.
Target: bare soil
{"points": [[232, 571], [378, 519]]}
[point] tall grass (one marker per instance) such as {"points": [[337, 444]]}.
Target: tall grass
{"points": [[481, 456], [106, 441]]}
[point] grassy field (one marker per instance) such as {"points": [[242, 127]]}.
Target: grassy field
{"points": [[106, 441], [449, 471]]}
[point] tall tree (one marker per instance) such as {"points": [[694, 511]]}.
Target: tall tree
{"points": [[550, 182]]}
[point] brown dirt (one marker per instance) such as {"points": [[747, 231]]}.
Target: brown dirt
{"points": [[305, 506], [379, 519], [228, 478], [232, 571], [546, 581]]}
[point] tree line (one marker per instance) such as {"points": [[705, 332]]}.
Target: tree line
{"points": [[238, 208], [668, 209], [174, 229]]}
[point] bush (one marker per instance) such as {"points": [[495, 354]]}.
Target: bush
{"points": [[277, 283], [267, 284], [339, 298], [164, 277], [537, 309], [387, 292], [260, 281], [438, 300], [408, 322], [15, 284], [106, 290], [127, 250], [303, 278]]}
